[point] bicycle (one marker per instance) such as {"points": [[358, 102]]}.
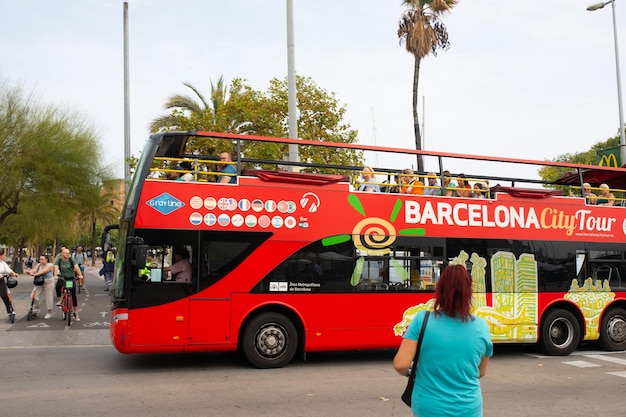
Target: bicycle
{"points": [[79, 284], [66, 304]]}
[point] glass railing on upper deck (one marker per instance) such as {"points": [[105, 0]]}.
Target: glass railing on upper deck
{"points": [[209, 157]]}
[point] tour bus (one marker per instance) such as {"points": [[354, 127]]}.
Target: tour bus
{"points": [[291, 258]]}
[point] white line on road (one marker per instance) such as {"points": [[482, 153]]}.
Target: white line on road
{"points": [[581, 364], [607, 358]]}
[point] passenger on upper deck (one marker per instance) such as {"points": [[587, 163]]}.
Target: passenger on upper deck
{"points": [[410, 184], [606, 197], [433, 188], [590, 197], [367, 185], [227, 168], [186, 176], [479, 190], [463, 187], [448, 184]]}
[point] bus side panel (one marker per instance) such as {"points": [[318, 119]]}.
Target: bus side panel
{"points": [[211, 321], [159, 328], [340, 321]]}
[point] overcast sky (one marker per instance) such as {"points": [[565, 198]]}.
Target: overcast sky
{"points": [[529, 79]]}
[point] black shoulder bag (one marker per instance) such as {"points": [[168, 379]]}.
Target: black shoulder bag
{"points": [[408, 391]]}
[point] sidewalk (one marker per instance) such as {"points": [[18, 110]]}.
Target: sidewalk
{"points": [[21, 302]]}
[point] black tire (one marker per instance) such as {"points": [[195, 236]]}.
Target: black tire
{"points": [[29, 315], [560, 332], [270, 340], [613, 330]]}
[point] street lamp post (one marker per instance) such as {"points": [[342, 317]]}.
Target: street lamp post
{"points": [[622, 141]]}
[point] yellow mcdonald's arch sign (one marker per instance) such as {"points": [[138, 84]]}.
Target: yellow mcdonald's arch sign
{"points": [[608, 160], [608, 157]]}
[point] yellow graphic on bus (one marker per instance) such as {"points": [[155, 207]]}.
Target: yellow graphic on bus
{"points": [[513, 313]]}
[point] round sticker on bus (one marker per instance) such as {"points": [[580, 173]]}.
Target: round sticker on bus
{"points": [[257, 205], [250, 220], [290, 222], [195, 202], [244, 204], [291, 207], [237, 220], [210, 219], [283, 206], [210, 203], [264, 221], [223, 203], [277, 222], [270, 206], [624, 226], [223, 219], [195, 218]]}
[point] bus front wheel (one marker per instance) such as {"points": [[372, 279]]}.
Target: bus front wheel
{"points": [[560, 333], [270, 340], [613, 330]]}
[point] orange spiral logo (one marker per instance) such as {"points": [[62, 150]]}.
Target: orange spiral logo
{"points": [[374, 236]]}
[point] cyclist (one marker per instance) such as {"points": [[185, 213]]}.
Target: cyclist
{"points": [[64, 269], [81, 259], [5, 270]]}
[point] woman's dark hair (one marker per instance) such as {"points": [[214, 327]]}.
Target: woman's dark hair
{"points": [[45, 256], [1, 251], [453, 295]]}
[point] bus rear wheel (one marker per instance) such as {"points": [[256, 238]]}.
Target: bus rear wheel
{"points": [[560, 333], [270, 340], [613, 330]]}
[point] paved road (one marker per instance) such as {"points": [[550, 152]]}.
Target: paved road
{"points": [[93, 309]]}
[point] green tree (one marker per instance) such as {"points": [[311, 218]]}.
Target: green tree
{"points": [[96, 208], [421, 30], [241, 109], [551, 173], [49, 158]]}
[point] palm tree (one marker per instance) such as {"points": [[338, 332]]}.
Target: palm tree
{"points": [[185, 109], [97, 207], [422, 32]]}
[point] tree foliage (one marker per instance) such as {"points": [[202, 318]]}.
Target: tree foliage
{"points": [[421, 30], [551, 173], [241, 109], [49, 163]]}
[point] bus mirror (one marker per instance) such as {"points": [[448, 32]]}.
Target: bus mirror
{"points": [[141, 252]]}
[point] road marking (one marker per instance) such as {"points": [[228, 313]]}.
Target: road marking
{"points": [[581, 364], [103, 314], [607, 358], [39, 325], [620, 374]]}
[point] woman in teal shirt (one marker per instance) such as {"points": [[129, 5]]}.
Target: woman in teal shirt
{"points": [[455, 351]]}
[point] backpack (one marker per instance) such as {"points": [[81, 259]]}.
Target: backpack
{"points": [[110, 257]]}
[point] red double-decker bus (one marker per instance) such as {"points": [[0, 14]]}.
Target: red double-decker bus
{"points": [[279, 263]]}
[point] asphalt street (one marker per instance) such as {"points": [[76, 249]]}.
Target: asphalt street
{"points": [[93, 310]]}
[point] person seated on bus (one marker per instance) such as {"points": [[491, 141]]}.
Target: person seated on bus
{"points": [[410, 184], [151, 263], [448, 185], [464, 189], [606, 197], [227, 167], [185, 176], [368, 178], [181, 269], [589, 196], [433, 188], [479, 190]]}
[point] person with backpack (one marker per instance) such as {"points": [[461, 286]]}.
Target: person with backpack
{"points": [[65, 268], [81, 259]]}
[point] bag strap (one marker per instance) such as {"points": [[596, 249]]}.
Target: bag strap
{"points": [[419, 345]]}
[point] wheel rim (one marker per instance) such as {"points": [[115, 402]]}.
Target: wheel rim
{"points": [[561, 332], [616, 329], [271, 340]]}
